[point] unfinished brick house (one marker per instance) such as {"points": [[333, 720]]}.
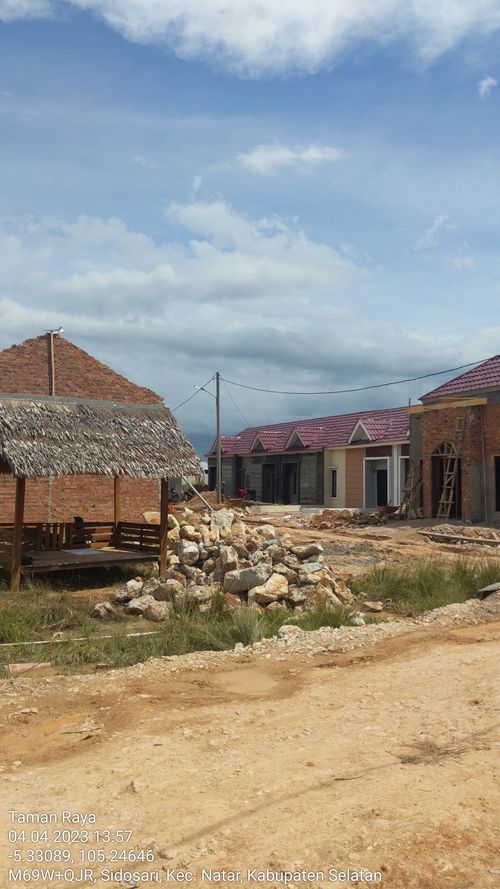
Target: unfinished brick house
{"points": [[49, 365], [455, 435]]}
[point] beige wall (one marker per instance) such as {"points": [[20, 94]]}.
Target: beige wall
{"points": [[335, 458]]}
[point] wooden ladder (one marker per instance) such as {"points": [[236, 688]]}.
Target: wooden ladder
{"points": [[447, 498], [411, 491]]}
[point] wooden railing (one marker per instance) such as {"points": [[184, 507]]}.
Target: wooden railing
{"points": [[138, 536], [54, 536]]}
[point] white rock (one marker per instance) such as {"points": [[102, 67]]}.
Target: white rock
{"points": [[158, 611], [276, 587], [223, 519], [244, 579], [103, 609], [188, 552], [288, 630], [304, 550], [139, 606], [228, 559]]}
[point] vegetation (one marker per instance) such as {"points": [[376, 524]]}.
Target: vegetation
{"points": [[420, 586], [38, 615]]}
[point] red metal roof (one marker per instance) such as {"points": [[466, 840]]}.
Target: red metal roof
{"points": [[389, 424], [484, 376]]}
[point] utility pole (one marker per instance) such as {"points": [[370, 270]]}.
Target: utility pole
{"points": [[218, 471]]}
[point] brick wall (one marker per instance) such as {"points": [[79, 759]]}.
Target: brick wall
{"points": [[439, 426], [25, 369], [90, 496]]}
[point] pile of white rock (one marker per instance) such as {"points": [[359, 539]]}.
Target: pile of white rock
{"points": [[248, 565]]}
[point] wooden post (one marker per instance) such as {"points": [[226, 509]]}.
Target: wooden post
{"points": [[17, 542], [52, 364], [163, 526], [117, 510]]}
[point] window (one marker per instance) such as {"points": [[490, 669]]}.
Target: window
{"points": [[333, 490], [497, 484]]}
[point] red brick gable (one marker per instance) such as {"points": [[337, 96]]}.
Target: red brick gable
{"points": [[25, 370]]}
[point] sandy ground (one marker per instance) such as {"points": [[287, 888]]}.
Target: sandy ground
{"points": [[383, 758]]}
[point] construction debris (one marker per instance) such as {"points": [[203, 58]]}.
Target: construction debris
{"points": [[337, 518], [216, 554], [462, 535]]}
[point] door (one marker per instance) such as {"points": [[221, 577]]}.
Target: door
{"points": [[382, 487], [269, 483], [290, 483]]}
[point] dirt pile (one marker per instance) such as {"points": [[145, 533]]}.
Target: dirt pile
{"points": [[335, 518]]}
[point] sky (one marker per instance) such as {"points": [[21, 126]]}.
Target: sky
{"points": [[302, 196]]}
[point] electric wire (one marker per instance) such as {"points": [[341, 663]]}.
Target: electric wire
{"points": [[197, 391], [242, 415], [435, 373]]}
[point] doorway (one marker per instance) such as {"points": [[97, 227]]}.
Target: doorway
{"points": [[212, 478], [382, 490], [290, 483], [376, 482], [269, 483]]}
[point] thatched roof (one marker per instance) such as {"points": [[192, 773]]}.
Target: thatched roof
{"points": [[41, 437]]}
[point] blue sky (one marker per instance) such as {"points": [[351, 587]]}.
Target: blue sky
{"points": [[302, 197]]}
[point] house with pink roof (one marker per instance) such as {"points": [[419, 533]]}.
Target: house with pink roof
{"points": [[450, 443], [357, 459], [455, 436]]}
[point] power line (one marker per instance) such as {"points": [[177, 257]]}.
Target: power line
{"points": [[435, 373], [242, 415], [196, 392]]}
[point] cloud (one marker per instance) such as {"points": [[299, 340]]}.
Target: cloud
{"points": [[462, 263], [430, 237], [254, 38], [255, 298], [486, 85], [268, 159], [146, 163]]}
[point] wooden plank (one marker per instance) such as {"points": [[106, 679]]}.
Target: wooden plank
{"points": [[163, 527], [17, 544], [67, 561], [139, 525], [146, 548], [443, 405]]}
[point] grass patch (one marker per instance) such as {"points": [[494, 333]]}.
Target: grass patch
{"points": [[422, 586], [187, 630]]}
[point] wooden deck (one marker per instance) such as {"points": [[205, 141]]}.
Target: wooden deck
{"points": [[76, 559]]}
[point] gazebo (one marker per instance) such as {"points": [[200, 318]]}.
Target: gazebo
{"points": [[49, 436]]}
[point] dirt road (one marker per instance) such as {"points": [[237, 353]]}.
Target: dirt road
{"points": [[382, 758]]}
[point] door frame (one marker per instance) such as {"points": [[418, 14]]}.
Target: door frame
{"points": [[378, 460]]}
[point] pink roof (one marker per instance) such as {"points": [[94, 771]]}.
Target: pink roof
{"points": [[388, 425], [484, 376]]}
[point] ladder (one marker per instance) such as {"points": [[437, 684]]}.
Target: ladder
{"points": [[451, 471], [411, 491]]}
